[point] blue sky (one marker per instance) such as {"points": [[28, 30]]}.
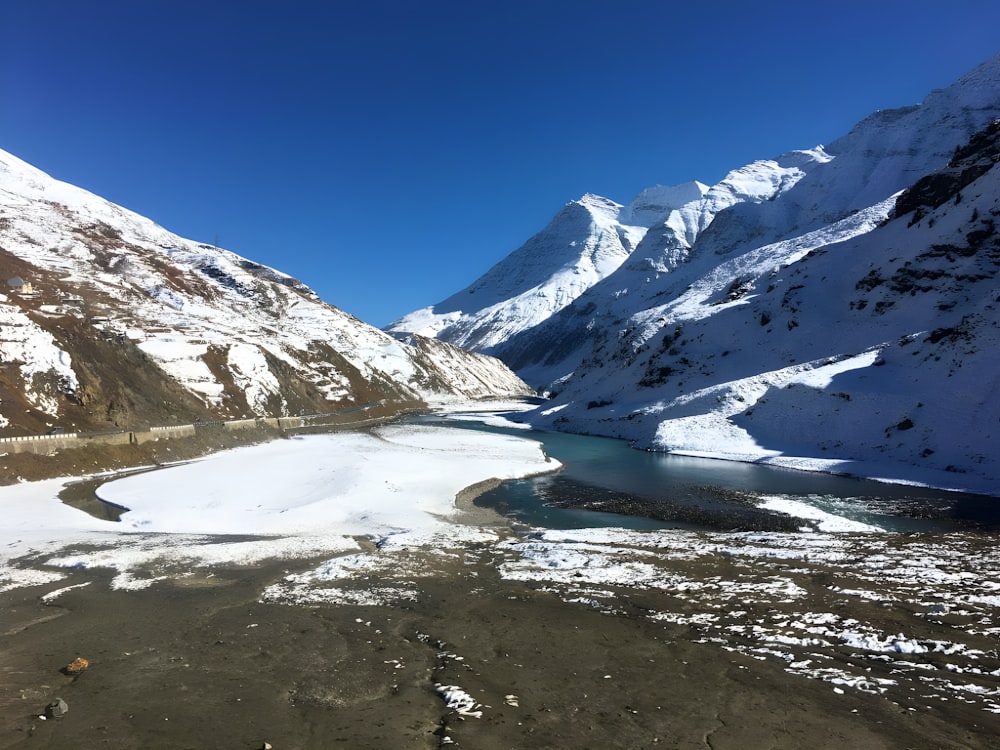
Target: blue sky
{"points": [[388, 153]]}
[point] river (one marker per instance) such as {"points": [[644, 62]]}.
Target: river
{"points": [[656, 490]]}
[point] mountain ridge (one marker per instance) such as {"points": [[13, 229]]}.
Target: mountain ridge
{"points": [[110, 320], [780, 330]]}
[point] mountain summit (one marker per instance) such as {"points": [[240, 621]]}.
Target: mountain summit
{"points": [[805, 311]]}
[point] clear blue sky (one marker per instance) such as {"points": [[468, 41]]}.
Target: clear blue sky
{"points": [[388, 153]]}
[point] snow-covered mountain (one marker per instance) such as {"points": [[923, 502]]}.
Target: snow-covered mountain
{"points": [[795, 313], [106, 317], [589, 240], [585, 242]]}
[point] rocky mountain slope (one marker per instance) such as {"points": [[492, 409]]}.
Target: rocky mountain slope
{"points": [[108, 320], [802, 312]]}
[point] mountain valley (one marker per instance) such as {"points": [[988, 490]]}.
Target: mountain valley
{"points": [[833, 309]]}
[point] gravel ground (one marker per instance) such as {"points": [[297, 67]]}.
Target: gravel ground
{"points": [[531, 654]]}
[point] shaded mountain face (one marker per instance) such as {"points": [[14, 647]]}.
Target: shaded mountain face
{"points": [[804, 310], [107, 319]]}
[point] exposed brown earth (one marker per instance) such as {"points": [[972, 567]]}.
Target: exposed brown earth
{"points": [[200, 662]]}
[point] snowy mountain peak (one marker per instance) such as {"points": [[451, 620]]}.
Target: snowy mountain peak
{"points": [[976, 89], [590, 239], [599, 205], [653, 204], [584, 242], [803, 159], [763, 179], [782, 315]]}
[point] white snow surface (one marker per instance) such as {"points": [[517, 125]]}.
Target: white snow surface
{"points": [[824, 521], [299, 496], [45, 370], [349, 483]]}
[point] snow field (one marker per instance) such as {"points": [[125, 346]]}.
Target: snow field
{"points": [[298, 497]]}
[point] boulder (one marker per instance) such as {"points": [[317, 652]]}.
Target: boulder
{"points": [[57, 708], [75, 667]]}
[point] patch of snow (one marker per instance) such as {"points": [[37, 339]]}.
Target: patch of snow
{"points": [[823, 521], [460, 701]]}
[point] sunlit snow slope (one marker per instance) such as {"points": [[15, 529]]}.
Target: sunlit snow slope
{"points": [[793, 313], [120, 321]]}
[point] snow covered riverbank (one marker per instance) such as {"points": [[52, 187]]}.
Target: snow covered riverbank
{"points": [[366, 522], [303, 496]]}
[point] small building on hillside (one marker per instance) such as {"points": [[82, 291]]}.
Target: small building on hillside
{"points": [[19, 285]]}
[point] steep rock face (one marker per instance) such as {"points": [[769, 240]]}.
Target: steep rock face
{"points": [[969, 163], [808, 317], [109, 319]]}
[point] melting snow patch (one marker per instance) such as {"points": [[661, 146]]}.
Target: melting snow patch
{"points": [[53, 595], [380, 596], [15, 578], [873, 569], [824, 521], [460, 701], [897, 644]]}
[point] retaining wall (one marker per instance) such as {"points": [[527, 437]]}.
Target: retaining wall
{"points": [[43, 444], [48, 444]]}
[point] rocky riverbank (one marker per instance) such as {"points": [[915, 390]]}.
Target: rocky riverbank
{"points": [[543, 641], [232, 607]]}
